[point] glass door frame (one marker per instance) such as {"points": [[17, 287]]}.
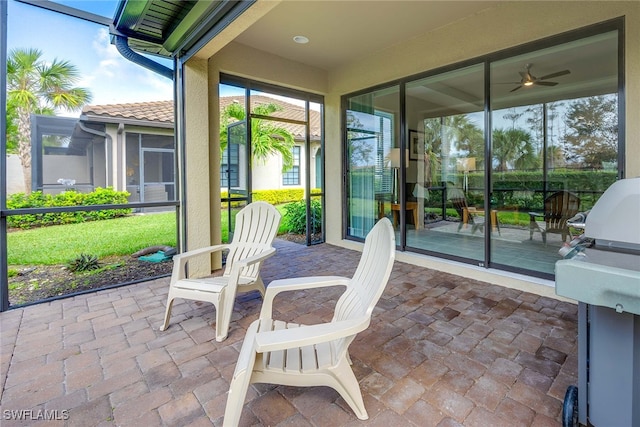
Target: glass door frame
{"points": [[229, 200], [251, 85]]}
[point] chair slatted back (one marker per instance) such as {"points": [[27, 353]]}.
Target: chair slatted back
{"points": [[256, 227], [369, 280], [558, 208]]}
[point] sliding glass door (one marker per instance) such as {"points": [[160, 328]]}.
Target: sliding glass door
{"points": [[486, 162], [554, 142], [374, 164], [445, 184]]}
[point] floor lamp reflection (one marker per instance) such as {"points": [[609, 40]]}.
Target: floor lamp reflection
{"points": [[465, 165], [394, 160]]}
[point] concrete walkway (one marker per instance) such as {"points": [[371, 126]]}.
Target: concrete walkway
{"points": [[441, 351]]}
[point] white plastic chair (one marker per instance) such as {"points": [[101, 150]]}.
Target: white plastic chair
{"points": [[277, 352], [256, 227]]}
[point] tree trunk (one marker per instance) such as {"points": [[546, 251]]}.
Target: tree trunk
{"points": [[24, 146]]}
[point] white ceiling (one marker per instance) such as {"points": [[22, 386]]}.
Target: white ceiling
{"points": [[341, 31], [344, 31]]}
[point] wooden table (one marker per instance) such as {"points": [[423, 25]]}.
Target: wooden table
{"points": [[409, 206]]}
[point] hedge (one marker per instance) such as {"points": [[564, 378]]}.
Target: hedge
{"points": [[37, 199], [517, 189], [274, 197]]}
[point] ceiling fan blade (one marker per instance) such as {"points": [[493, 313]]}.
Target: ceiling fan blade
{"points": [[538, 82], [515, 89], [556, 74]]}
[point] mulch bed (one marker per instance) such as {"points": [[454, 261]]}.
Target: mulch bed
{"points": [[33, 284]]}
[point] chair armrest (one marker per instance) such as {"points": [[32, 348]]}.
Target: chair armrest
{"points": [[266, 253], [195, 252], [534, 215], [308, 334], [180, 260], [294, 284], [239, 265]]}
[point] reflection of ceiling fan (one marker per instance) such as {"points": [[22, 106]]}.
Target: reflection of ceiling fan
{"points": [[529, 79]]}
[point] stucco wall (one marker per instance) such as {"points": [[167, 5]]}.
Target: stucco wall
{"points": [[244, 61], [55, 167], [15, 178]]}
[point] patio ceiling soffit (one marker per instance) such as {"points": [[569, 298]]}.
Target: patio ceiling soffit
{"points": [[170, 27]]}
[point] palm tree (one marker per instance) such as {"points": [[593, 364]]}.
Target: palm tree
{"points": [[37, 87], [12, 129], [266, 137], [457, 132]]}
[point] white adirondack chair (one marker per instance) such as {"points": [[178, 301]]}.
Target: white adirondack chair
{"points": [[277, 352], [256, 227]]}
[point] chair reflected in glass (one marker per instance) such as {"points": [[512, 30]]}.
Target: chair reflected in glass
{"points": [[558, 208], [470, 214]]}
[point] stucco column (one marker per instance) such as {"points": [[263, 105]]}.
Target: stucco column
{"points": [[197, 174]]}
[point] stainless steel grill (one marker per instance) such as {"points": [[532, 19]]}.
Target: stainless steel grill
{"points": [[602, 273]]}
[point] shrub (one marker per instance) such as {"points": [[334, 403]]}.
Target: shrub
{"points": [[37, 199], [273, 197], [277, 197], [106, 196], [84, 262], [296, 217]]}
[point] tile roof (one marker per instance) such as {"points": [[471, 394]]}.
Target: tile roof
{"points": [[289, 111], [162, 112], [158, 111]]}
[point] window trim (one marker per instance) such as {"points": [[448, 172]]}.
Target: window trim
{"points": [[293, 174]]}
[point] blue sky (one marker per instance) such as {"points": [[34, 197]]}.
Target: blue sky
{"points": [[110, 77]]}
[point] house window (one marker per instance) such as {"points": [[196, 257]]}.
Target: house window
{"points": [[487, 145], [292, 176]]}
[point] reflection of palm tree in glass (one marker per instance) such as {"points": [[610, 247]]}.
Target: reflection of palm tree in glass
{"points": [[513, 147], [266, 137], [458, 133], [555, 157], [361, 144]]}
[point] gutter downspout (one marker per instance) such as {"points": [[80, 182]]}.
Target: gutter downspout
{"points": [[123, 47]]}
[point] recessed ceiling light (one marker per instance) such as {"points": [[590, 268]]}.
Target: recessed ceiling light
{"points": [[300, 39]]}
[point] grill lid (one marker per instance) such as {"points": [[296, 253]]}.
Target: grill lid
{"points": [[614, 221]]}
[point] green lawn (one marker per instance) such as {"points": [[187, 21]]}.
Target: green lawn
{"points": [[59, 244], [513, 218]]}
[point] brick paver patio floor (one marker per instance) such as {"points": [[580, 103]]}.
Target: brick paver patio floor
{"points": [[441, 351]]}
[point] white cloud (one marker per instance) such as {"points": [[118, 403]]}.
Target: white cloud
{"points": [[116, 80]]}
